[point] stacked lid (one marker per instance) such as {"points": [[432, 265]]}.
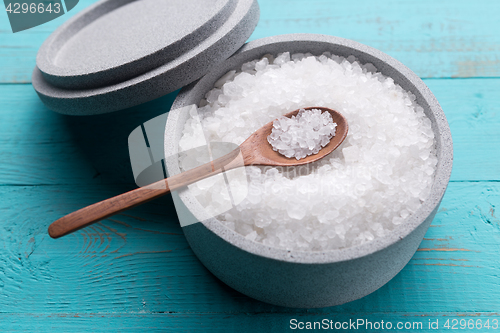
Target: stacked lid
{"points": [[117, 54]]}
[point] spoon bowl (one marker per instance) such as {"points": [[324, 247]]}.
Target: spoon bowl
{"points": [[255, 151]]}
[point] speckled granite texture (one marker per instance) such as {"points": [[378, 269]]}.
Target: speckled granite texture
{"points": [[118, 54]]}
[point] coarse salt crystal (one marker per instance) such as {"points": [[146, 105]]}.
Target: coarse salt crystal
{"points": [[366, 188], [302, 135]]}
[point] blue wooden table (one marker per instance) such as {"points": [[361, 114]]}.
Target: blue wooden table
{"points": [[135, 271]]}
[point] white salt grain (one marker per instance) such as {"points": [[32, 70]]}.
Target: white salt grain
{"points": [[302, 135], [368, 186]]}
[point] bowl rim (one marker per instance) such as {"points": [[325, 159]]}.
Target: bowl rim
{"points": [[425, 98]]}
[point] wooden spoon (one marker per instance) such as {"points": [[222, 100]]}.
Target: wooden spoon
{"points": [[255, 151]]}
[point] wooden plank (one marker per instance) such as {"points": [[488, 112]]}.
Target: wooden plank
{"points": [[42, 147], [136, 272], [433, 38], [263, 322], [472, 108], [139, 261], [438, 39]]}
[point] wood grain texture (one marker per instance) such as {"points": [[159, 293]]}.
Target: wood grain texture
{"points": [[94, 149], [109, 207], [259, 322], [135, 271], [33, 140], [115, 265], [434, 38]]}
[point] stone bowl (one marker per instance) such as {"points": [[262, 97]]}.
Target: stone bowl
{"points": [[309, 279]]}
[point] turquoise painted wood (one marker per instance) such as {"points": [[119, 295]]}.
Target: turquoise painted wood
{"points": [[135, 271], [450, 38]]}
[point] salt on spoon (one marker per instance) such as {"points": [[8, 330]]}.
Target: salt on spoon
{"points": [[302, 135], [255, 150]]}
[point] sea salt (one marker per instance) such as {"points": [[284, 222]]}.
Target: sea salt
{"points": [[376, 179], [302, 135]]}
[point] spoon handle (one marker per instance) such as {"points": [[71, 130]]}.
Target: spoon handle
{"points": [[101, 210]]}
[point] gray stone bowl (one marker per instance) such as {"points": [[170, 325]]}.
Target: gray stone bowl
{"points": [[310, 279]]}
